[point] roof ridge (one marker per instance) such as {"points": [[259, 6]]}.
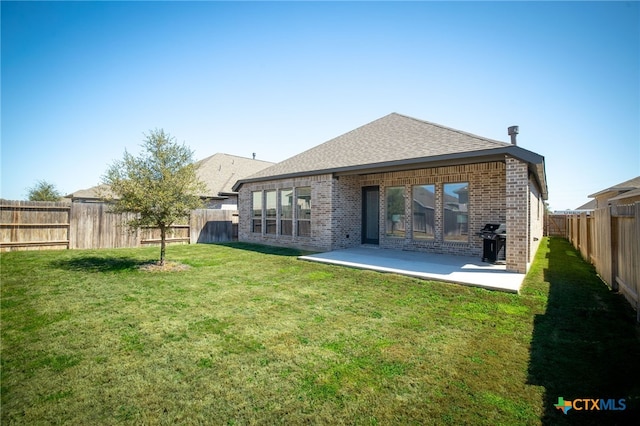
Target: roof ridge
{"points": [[235, 156], [630, 183], [392, 139], [462, 132]]}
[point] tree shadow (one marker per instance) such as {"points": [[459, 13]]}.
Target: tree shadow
{"points": [[98, 264], [265, 249], [586, 345]]}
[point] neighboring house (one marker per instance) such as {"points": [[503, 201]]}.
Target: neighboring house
{"points": [[629, 197], [89, 195], [219, 172], [401, 183], [626, 192], [588, 206]]}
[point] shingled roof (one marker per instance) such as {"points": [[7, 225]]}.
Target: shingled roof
{"points": [[628, 185], [395, 142], [221, 171], [218, 171]]}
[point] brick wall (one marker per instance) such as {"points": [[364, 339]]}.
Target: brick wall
{"points": [[517, 198], [536, 221], [321, 207], [486, 204], [347, 212], [499, 192]]}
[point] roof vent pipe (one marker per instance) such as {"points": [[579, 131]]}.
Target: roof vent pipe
{"points": [[513, 132]]}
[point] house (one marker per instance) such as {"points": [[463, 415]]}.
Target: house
{"points": [[89, 195], [588, 206], [626, 192], [219, 172], [400, 183]]}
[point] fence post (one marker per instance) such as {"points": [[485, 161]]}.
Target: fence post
{"points": [[72, 226], [614, 249], [637, 226]]}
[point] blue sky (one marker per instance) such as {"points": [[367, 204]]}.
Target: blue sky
{"points": [[83, 81]]}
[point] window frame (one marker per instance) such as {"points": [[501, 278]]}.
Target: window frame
{"points": [[271, 211], [396, 218], [303, 224], [286, 211], [425, 236], [256, 219], [461, 224]]}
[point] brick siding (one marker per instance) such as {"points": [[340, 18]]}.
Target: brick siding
{"points": [[536, 221], [321, 206], [486, 204], [499, 192], [517, 193]]}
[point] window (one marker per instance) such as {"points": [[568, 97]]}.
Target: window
{"points": [[271, 209], [395, 212], [423, 208], [303, 211], [456, 211], [286, 211], [257, 212]]}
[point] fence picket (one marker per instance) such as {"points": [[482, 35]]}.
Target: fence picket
{"points": [[34, 225], [610, 240]]}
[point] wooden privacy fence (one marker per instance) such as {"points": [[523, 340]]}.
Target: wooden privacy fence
{"points": [[555, 225], [609, 238], [37, 225], [30, 225]]}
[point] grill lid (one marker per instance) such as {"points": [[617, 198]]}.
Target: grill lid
{"points": [[491, 231], [491, 227]]}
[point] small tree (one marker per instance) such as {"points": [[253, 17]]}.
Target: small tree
{"points": [[160, 185], [44, 191]]}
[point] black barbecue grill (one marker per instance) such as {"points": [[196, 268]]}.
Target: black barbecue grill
{"points": [[494, 242]]}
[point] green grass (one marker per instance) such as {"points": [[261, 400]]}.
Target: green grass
{"points": [[251, 335]]}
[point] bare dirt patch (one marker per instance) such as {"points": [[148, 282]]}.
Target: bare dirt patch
{"points": [[167, 267]]}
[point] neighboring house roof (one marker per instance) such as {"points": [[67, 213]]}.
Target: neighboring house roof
{"points": [[219, 172], [590, 205], [91, 193], [626, 195], [628, 185], [397, 142]]}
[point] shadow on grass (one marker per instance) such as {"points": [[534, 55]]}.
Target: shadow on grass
{"points": [[585, 346], [98, 264], [264, 249]]}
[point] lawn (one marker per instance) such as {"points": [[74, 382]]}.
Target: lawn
{"points": [[251, 335]]}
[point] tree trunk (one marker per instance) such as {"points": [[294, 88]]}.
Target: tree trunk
{"points": [[163, 244]]}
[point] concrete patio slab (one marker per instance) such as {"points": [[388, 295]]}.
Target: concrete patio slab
{"points": [[455, 269]]}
